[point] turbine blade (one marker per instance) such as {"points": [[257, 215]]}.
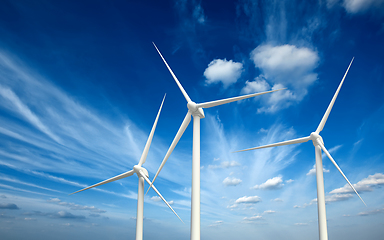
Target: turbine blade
{"points": [[179, 133], [294, 141], [233, 99], [325, 117], [123, 175], [173, 75], [158, 193], [338, 168], [148, 144]]}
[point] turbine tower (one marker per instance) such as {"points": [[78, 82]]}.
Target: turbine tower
{"points": [[318, 142], [195, 110], [142, 174]]}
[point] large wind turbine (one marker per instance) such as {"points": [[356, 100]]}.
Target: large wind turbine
{"points": [[142, 174], [318, 142], [195, 110]]}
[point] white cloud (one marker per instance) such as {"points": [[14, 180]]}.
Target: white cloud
{"points": [[268, 212], [198, 14], [232, 181], [301, 224], [283, 66], [250, 199], [337, 197], [253, 218], [289, 181], [225, 164], [25, 111], [277, 200], [273, 183], [372, 212], [365, 185], [361, 6], [259, 85], [312, 172], [156, 198], [74, 206], [216, 223], [226, 72]]}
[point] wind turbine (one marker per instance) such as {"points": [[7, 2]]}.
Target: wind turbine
{"points": [[142, 174], [318, 142], [195, 110]]}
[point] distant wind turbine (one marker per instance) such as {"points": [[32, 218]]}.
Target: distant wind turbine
{"points": [[142, 174], [195, 110], [317, 141]]}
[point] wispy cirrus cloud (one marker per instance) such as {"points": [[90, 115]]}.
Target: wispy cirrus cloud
{"points": [[65, 136], [358, 6]]}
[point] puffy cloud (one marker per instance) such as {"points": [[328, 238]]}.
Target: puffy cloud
{"points": [[259, 85], [273, 183], [365, 185], [268, 212], [286, 58], [226, 72], [253, 218], [225, 164], [232, 181], [9, 206], [64, 214], [250, 199], [337, 197], [312, 172], [283, 66], [156, 198], [277, 200]]}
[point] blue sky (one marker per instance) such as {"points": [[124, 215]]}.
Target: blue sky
{"points": [[81, 83]]}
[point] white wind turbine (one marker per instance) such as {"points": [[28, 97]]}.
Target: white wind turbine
{"points": [[142, 174], [317, 141], [195, 110]]}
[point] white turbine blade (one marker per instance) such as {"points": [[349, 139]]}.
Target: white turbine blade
{"points": [[338, 168], [325, 117], [148, 144], [173, 75], [158, 193], [233, 99], [123, 175], [179, 133], [294, 141]]}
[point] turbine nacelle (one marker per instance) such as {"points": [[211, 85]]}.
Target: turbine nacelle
{"points": [[314, 137], [140, 170], [195, 110]]}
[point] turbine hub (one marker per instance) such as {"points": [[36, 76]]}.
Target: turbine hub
{"points": [[195, 111], [314, 137], [137, 170]]}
